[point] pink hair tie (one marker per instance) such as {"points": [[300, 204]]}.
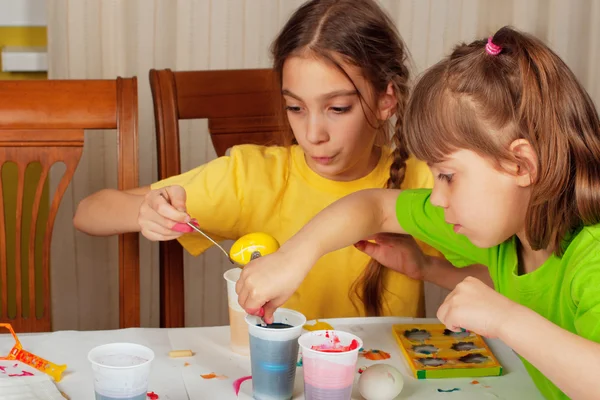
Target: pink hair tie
{"points": [[491, 48]]}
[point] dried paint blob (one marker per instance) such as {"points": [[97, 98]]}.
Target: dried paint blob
{"points": [[476, 358], [318, 326], [152, 396], [212, 375], [374, 354], [457, 335], [418, 335], [299, 363], [464, 346], [425, 349], [448, 390], [24, 373], [431, 362]]}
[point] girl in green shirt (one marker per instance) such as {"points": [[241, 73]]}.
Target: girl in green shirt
{"points": [[514, 141]]}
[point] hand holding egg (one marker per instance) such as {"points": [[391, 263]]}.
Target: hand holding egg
{"points": [[251, 246]]}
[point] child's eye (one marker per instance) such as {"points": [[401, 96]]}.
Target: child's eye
{"points": [[341, 110], [445, 177], [294, 109]]}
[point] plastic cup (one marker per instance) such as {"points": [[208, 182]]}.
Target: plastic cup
{"points": [[239, 341], [328, 375], [121, 371], [274, 354]]}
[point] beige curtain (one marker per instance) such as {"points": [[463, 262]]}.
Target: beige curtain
{"points": [[107, 38]]}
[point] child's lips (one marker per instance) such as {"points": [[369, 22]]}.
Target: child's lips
{"points": [[455, 226], [323, 160]]}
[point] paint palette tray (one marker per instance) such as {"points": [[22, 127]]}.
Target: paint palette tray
{"points": [[432, 351]]}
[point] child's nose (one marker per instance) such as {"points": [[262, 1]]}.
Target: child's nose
{"points": [[316, 132], [438, 196]]}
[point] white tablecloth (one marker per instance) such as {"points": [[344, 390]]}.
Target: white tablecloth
{"points": [[179, 378]]}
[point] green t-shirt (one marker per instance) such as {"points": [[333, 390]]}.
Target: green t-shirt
{"points": [[563, 290]]}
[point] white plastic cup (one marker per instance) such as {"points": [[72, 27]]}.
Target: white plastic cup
{"points": [[274, 354], [328, 375], [239, 341], [121, 371]]}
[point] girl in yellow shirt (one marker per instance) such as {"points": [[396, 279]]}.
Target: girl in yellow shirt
{"points": [[341, 66]]}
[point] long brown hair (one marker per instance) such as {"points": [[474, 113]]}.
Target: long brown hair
{"points": [[483, 102], [360, 33]]}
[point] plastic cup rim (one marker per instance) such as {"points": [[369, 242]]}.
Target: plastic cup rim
{"points": [[228, 271], [264, 328], [325, 353], [94, 362]]}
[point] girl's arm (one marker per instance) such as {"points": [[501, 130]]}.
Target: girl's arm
{"points": [[274, 278], [442, 273], [152, 212], [110, 212], [403, 254], [347, 221], [215, 190], [570, 361]]}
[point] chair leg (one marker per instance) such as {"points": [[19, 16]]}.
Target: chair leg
{"points": [[172, 299]]}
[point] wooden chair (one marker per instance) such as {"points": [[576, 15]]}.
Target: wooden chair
{"points": [[43, 122], [241, 107]]}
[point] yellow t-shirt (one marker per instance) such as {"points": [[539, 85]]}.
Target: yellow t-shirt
{"points": [[272, 190]]}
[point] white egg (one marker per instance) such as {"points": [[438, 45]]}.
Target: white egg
{"points": [[380, 382]]}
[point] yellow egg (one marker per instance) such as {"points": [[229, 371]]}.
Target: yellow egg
{"points": [[251, 246]]}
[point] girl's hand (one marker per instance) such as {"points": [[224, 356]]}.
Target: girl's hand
{"points": [[476, 307], [160, 212], [267, 282], [398, 252]]}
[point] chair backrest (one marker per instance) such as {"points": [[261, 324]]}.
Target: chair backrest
{"points": [[42, 123], [241, 108]]}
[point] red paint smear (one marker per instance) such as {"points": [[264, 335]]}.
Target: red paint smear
{"points": [[15, 366], [237, 384], [25, 373], [3, 369], [475, 383], [152, 396], [336, 346]]}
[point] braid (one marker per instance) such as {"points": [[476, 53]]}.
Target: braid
{"points": [[372, 278], [398, 167]]}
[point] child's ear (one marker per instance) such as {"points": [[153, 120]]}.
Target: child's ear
{"points": [[526, 166], [386, 106]]}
